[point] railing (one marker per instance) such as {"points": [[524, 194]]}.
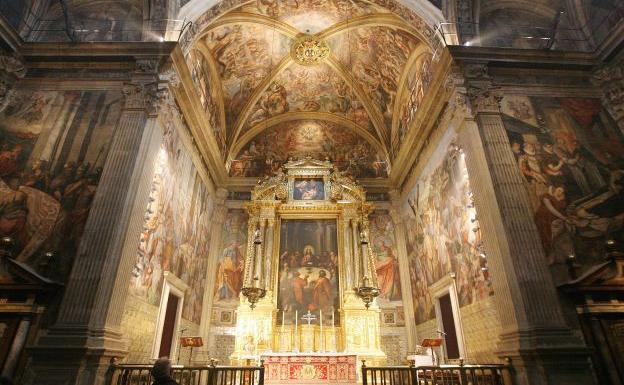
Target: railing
{"points": [[437, 375], [131, 374]]}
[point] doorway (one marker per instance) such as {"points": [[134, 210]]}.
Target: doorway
{"points": [[169, 326], [448, 327]]}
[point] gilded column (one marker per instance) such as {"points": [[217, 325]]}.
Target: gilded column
{"points": [[355, 247], [268, 253], [78, 348], [259, 262], [535, 335]]}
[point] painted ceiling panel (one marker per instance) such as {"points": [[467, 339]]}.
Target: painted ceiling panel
{"points": [[271, 148], [301, 88]]}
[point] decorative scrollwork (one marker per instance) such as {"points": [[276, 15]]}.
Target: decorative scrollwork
{"points": [[307, 50]]}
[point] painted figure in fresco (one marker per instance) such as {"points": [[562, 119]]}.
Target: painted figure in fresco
{"points": [[298, 285], [230, 272], [322, 293], [388, 276]]}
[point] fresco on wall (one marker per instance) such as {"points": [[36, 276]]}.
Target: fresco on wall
{"points": [[176, 231], [386, 262], [266, 152], [443, 235], [573, 167], [418, 80], [309, 88], [53, 146], [244, 54], [376, 57], [229, 276], [117, 21], [312, 16], [200, 74]]}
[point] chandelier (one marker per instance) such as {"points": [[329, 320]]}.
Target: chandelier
{"points": [[367, 290], [254, 293]]}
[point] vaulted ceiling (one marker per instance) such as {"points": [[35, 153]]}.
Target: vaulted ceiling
{"points": [[256, 72]]}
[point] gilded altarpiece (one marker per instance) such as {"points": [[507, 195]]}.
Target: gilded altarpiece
{"points": [[307, 247]]}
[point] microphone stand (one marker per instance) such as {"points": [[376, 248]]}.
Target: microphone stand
{"points": [[180, 345], [443, 336]]}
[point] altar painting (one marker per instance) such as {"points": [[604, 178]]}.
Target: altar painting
{"points": [[309, 189], [308, 273]]}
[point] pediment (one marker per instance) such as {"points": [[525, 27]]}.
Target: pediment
{"points": [[608, 275]]}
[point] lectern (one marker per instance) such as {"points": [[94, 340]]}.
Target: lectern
{"points": [[431, 343]]}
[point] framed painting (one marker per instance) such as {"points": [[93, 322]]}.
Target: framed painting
{"points": [[308, 270], [309, 189]]}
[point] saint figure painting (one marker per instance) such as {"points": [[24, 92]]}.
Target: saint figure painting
{"points": [[308, 275], [309, 189]]}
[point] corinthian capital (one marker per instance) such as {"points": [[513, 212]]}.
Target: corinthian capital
{"points": [[138, 96], [484, 98]]}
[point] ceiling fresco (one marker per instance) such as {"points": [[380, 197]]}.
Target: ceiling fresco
{"points": [[271, 148], [376, 57], [309, 89], [262, 55]]}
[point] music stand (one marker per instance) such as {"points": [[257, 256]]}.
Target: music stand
{"points": [[191, 342], [431, 343]]}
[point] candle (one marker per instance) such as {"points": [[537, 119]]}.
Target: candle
{"points": [[296, 337], [283, 315], [333, 324]]}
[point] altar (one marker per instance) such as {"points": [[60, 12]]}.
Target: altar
{"points": [[307, 304], [310, 368]]}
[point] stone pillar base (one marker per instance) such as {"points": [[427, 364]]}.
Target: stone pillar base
{"points": [[73, 357], [547, 356]]}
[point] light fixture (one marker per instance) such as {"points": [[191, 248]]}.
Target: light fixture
{"points": [[367, 292], [254, 293]]}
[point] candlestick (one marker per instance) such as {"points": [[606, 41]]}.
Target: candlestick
{"points": [[333, 311], [296, 324], [283, 315], [322, 339]]}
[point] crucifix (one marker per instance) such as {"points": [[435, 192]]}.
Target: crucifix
{"points": [[308, 317]]}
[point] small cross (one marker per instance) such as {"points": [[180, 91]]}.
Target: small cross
{"points": [[308, 317]]}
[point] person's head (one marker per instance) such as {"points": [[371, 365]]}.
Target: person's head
{"points": [[322, 273], [161, 368]]}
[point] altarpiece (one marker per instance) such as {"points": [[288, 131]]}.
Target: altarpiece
{"points": [[308, 254]]}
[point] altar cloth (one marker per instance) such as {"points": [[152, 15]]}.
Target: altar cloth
{"points": [[310, 368]]}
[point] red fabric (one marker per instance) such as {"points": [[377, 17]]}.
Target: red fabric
{"points": [[581, 109], [302, 369]]}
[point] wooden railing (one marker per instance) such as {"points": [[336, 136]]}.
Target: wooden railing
{"points": [[132, 374], [437, 375]]}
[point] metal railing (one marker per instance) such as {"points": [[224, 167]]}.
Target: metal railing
{"points": [[437, 375], [139, 374]]}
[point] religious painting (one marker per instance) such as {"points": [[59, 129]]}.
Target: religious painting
{"points": [[270, 149], [309, 189], [308, 272], [572, 163], [386, 262], [443, 234], [53, 147], [376, 56], [176, 231], [418, 79], [309, 88], [244, 54], [200, 73], [229, 275], [312, 16]]}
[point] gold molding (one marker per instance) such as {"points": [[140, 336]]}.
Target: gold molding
{"points": [[251, 18], [401, 89], [215, 85], [373, 20]]}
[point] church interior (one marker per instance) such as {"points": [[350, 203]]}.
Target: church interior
{"points": [[312, 191]]}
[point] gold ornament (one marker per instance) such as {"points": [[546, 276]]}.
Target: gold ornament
{"points": [[308, 50]]}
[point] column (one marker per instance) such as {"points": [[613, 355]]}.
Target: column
{"points": [[535, 336], [268, 254], [11, 70], [216, 246], [259, 266], [355, 247], [610, 79], [86, 336], [406, 284]]}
